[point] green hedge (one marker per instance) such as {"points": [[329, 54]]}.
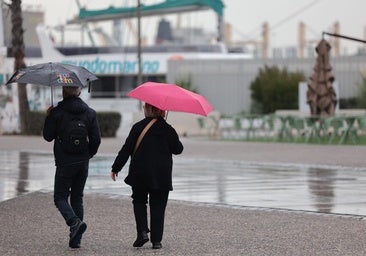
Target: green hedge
{"points": [[109, 123], [35, 122], [274, 88]]}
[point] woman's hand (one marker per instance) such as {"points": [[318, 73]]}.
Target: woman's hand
{"points": [[114, 175]]}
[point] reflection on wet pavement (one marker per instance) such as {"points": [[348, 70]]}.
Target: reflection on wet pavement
{"points": [[320, 189]]}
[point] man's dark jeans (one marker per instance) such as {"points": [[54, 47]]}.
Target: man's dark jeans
{"points": [[70, 182]]}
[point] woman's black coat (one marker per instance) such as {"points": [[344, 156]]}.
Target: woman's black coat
{"points": [[152, 164]]}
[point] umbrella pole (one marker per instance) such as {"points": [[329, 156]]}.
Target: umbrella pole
{"points": [[52, 96]]}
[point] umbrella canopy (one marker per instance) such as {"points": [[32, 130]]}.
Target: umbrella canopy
{"points": [[54, 74], [321, 95], [171, 97]]}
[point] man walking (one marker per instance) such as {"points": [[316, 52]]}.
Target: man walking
{"points": [[74, 128]]}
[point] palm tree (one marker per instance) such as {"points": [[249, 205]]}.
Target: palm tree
{"points": [[18, 53]]}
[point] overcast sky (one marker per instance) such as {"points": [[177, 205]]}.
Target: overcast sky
{"points": [[247, 17]]}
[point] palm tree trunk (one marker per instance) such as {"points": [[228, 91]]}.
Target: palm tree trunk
{"points": [[18, 53]]}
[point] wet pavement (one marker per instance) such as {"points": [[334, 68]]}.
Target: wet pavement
{"points": [[318, 188]]}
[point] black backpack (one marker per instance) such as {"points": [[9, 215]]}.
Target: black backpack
{"points": [[74, 136]]}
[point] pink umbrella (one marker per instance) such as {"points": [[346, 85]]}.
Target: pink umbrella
{"points": [[171, 97]]}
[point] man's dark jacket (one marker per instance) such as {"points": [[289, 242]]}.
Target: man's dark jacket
{"points": [[151, 165], [54, 124]]}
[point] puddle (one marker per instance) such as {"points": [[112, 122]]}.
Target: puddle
{"points": [[320, 189]]}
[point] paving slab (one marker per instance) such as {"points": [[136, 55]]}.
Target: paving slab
{"points": [[31, 225]]}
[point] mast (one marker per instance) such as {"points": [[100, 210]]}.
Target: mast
{"points": [[85, 25]]}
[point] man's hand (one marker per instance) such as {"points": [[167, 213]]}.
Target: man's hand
{"points": [[114, 175], [48, 111]]}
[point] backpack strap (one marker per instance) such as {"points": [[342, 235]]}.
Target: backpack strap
{"points": [[142, 134]]}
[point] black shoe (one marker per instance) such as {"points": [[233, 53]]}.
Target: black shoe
{"points": [[74, 246], [141, 239], [75, 230], [76, 243], [157, 245]]}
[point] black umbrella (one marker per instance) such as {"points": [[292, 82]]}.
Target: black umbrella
{"points": [[54, 74]]}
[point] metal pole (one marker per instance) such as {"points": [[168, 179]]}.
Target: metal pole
{"points": [[220, 29], [139, 74], [345, 37], [1, 25]]}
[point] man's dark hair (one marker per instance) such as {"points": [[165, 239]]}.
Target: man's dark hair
{"points": [[70, 91]]}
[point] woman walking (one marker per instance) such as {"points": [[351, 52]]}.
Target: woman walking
{"points": [[150, 144]]}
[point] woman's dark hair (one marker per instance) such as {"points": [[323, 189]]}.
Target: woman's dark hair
{"points": [[152, 111]]}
